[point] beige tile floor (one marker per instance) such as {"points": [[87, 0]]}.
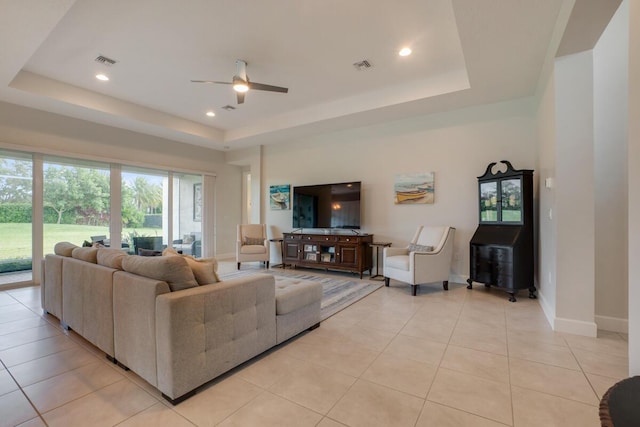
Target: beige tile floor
{"points": [[456, 358]]}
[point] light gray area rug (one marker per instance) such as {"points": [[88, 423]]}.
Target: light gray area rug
{"points": [[337, 293]]}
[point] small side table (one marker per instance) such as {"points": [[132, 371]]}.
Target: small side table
{"points": [[281, 241], [379, 245]]}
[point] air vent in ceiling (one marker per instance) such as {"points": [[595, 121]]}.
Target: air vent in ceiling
{"points": [[228, 107], [104, 60], [362, 65]]}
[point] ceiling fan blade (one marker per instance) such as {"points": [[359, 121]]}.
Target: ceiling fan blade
{"points": [[270, 88], [240, 97], [210, 81]]}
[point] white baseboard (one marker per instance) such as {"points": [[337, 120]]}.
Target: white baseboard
{"points": [[576, 327], [546, 308], [612, 324]]}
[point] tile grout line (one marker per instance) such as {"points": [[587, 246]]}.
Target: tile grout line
{"points": [[39, 415]]}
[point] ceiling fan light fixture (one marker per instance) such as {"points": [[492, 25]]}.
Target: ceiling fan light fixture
{"points": [[240, 85]]}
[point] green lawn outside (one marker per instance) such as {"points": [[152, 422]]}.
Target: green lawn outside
{"points": [[15, 239]]}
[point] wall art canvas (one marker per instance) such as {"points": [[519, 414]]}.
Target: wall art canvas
{"points": [[279, 197], [414, 188]]}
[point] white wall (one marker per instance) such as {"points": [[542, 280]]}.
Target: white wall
{"points": [[634, 194], [582, 122], [610, 76], [32, 130], [574, 198], [250, 159], [546, 224], [457, 146]]}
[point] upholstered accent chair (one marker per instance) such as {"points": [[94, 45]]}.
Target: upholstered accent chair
{"points": [[427, 259], [252, 244]]}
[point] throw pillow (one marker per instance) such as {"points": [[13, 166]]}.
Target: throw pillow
{"points": [[170, 252], [111, 258], [204, 269], [253, 241], [420, 248], [64, 248], [86, 254], [172, 269]]}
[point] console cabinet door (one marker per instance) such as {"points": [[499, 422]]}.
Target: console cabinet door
{"points": [[348, 255], [292, 250]]}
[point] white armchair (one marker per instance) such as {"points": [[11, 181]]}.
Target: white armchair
{"points": [[252, 244], [427, 259]]}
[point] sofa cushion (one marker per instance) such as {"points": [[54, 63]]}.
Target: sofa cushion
{"points": [[172, 269], [401, 262], [293, 294], [253, 249], [64, 248], [111, 258], [204, 269], [86, 254]]}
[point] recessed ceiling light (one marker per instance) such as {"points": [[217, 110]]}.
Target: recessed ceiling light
{"points": [[405, 51], [102, 77], [211, 114]]}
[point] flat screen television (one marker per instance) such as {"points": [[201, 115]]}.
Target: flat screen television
{"points": [[327, 206]]}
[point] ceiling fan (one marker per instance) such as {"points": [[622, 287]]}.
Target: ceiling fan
{"points": [[241, 83]]}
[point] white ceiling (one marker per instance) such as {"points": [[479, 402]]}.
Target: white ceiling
{"points": [[465, 52]]}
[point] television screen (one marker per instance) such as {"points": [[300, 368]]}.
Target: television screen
{"points": [[327, 206]]}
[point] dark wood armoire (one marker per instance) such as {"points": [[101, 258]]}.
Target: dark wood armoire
{"points": [[501, 249]]}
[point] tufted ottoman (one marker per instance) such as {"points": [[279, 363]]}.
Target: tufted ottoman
{"points": [[297, 306]]}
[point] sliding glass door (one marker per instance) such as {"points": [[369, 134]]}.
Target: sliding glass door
{"points": [[187, 214], [71, 200], [144, 196], [16, 177], [76, 198]]}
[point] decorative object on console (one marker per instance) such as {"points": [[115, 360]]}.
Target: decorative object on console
{"points": [[414, 188], [502, 246], [279, 197]]}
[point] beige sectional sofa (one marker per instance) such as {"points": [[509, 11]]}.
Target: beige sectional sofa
{"points": [[178, 339]]}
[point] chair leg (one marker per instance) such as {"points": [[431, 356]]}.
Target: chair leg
{"points": [[445, 285], [238, 266], [386, 281], [414, 289], [267, 265]]}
